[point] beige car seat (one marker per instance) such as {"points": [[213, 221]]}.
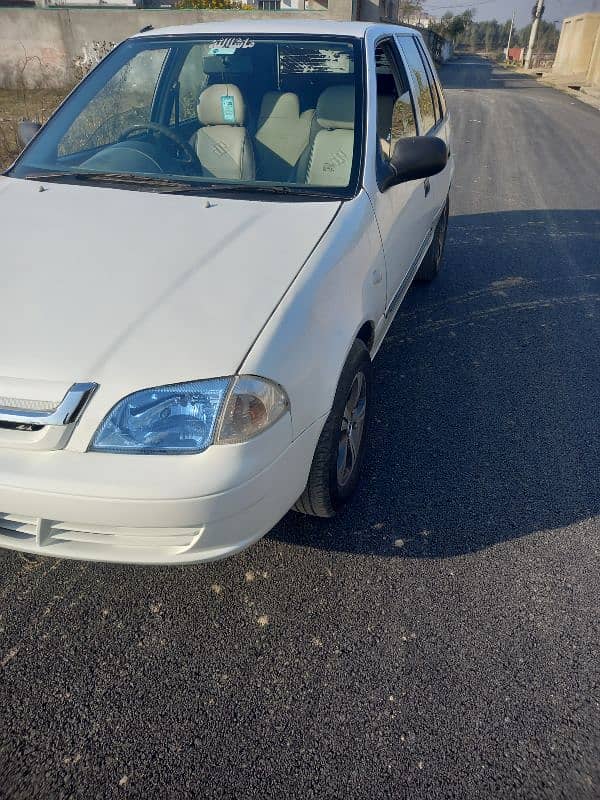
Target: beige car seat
{"points": [[223, 145], [330, 160], [395, 120], [385, 109], [282, 136]]}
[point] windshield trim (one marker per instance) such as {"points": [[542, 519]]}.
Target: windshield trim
{"points": [[328, 192]]}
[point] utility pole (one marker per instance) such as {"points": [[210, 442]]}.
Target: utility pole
{"points": [[512, 25], [538, 10]]}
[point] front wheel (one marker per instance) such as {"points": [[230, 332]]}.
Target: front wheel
{"points": [[431, 264], [340, 451]]}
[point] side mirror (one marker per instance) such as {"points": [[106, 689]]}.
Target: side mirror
{"points": [[415, 157], [27, 130]]}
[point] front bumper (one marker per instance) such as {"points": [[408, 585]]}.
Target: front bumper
{"points": [[134, 509]]}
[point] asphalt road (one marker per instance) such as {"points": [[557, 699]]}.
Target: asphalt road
{"points": [[441, 639]]}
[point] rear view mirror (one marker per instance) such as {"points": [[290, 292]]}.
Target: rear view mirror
{"points": [[27, 130], [415, 157]]}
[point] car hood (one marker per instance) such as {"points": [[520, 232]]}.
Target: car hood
{"points": [[139, 289]]}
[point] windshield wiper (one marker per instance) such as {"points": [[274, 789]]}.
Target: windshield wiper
{"points": [[166, 184], [298, 191]]}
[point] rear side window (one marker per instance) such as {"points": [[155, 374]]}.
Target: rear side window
{"points": [[433, 80], [426, 95]]}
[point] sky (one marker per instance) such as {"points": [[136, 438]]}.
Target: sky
{"points": [[502, 9]]}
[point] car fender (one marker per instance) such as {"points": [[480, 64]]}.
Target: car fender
{"points": [[341, 287]]}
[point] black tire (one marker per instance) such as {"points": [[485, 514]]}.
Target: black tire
{"points": [[333, 477], [431, 264]]}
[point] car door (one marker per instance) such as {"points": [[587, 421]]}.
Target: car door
{"points": [[431, 112], [400, 210], [440, 184]]}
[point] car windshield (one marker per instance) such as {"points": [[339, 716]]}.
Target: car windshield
{"points": [[238, 113]]}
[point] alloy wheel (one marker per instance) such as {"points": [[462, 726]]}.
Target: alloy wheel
{"points": [[351, 430]]}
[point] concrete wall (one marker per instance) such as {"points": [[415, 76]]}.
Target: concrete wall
{"points": [[52, 47], [577, 43], [593, 73]]}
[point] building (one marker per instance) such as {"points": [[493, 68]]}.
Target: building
{"points": [[578, 54], [419, 20]]}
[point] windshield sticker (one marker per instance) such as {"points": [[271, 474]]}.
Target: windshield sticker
{"points": [[228, 45], [295, 59], [227, 108]]}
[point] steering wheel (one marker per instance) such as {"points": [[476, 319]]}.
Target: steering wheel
{"points": [[191, 157]]}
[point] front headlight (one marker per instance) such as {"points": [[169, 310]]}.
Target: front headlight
{"points": [[189, 417]]}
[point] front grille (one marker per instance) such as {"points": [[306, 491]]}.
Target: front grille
{"points": [[28, 405]]}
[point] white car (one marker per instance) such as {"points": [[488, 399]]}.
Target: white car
{"points": [[202, 251]]}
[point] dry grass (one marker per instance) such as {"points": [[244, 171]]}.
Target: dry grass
{"points": [[15, 105]]}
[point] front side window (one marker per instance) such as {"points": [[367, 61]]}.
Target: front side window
{"points": [[425, 96], [395, 114], [211, 112]]}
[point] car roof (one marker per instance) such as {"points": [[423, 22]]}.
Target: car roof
{"points": [[284, 26]]}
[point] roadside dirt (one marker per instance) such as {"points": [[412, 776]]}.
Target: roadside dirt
{"points": [[16, 105]]}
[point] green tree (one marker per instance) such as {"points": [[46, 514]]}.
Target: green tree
{"points": [[547, 37], [408, 8], [454, 26], [492, 35]]}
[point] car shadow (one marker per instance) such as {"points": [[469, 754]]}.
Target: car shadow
{"points": [[473, 72], [485, 423]]}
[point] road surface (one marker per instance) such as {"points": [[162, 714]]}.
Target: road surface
{"points": [[441, 639]]}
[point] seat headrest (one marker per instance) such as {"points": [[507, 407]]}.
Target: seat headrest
{"points": [[221, 104], [277, 104], [335, 108]]}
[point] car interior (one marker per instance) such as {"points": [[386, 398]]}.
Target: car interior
{"points": [[286, 124], [290, 128]]}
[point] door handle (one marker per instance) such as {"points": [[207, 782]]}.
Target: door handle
{"points": [[427, 186]]}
